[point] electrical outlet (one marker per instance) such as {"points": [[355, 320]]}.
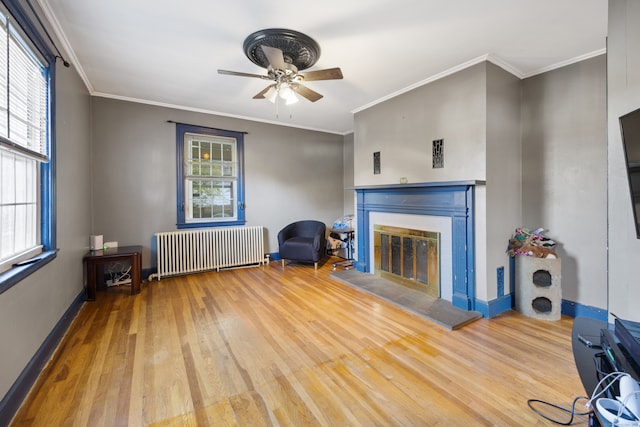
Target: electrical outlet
{"points": [[111, 245]]}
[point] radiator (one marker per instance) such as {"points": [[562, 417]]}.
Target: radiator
{"points": [[191, 251]]}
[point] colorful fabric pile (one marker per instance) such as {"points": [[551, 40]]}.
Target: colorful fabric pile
{"points": [[531, 243]]}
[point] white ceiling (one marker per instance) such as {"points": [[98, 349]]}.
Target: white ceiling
{"points": [[168, 52]]}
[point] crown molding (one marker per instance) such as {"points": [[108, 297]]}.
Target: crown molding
{"points": [[494, 59]]}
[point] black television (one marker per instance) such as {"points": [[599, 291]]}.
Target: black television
{"points": [[630, 128]]}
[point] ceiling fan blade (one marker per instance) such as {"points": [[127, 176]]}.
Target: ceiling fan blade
{"points": [[328, 74], [306, 92], [260, 95], [236, 73], [275, 57]]}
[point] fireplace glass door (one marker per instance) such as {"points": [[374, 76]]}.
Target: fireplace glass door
{"points": [[409, 257]]}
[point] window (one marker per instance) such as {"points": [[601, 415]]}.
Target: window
{"points": [[26, 180], [210, 176]]}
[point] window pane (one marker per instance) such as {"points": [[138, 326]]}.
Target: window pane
{"points": [[27, 99], [211, 176], [212, 199], [216, 151], [20, 228], [227, 153], [8, 188], [4, 131], [7, 243], [31, 221], [21, 176], [19, 204], [224, 199], [31, 181], [209, 157], [24, 107]]}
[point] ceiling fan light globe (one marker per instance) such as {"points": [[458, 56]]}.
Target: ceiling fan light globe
{"points": [[286, 92], [291, 99], [271, 94]]}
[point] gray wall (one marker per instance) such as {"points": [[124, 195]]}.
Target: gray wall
{"points": [[623, 80], [29, 310], [290, 174], [476, 112], [503, 189], [564, 172], [540, 144], [348, 200], [403, 128]]}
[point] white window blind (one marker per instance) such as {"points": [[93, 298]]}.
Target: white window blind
{"points": [[23, 95], [23, 144]]}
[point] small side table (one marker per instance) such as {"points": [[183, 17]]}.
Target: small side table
{"points": [[94, 261], [348, 261]]}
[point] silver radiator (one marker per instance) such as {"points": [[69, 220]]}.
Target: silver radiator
{"points": [[191, 251]]}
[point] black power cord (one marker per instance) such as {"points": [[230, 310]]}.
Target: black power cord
{"points": [[571, 411]]}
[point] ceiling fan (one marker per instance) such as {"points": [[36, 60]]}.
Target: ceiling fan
{"points": [[285, 53]]}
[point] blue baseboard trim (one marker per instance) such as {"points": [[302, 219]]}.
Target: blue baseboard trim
{"points": [[146, 272], [568, 308], [274, 256], [495, 307], [13, 399], [575, 309]]}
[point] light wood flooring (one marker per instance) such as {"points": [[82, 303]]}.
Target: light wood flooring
{"points": [[269, 346]]}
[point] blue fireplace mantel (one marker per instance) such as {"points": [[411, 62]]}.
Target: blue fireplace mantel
{"points": [[451, 199]]}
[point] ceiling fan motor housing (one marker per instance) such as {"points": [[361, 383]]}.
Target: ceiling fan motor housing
{"points": [[298, 49]]}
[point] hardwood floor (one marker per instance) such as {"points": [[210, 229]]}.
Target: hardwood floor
{"points": [[270, 346]]}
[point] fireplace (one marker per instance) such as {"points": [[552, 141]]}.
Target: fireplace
{"points": [[451, 201], [408, 257]]}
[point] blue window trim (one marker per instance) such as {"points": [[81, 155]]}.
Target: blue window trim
{"points": [[181, 129], [48, 235]]}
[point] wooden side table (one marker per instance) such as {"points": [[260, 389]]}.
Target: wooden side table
{"points": [[94, 261]]}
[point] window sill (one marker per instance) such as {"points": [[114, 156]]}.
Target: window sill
{"points": [[12, 277], [210, 224]]}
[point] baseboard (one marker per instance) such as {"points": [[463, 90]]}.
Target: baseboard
{"points": [[575, 309], [568, 308], [495, 307], [13, 399], [274, 256], [146, 272]]}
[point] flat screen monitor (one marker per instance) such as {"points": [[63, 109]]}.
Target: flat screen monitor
{"points": [[630, 128]]}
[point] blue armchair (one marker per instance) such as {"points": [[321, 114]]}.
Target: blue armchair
{"points": [[303, 241]]}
